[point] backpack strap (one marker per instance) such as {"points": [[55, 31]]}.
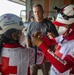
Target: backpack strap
{"points": [[47, 25], [35, 54]]}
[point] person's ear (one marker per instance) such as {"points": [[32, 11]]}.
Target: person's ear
{"points": [[14, 36]]}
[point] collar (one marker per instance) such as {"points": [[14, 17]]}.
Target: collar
{"points": [[70, 36], [12, 45]]}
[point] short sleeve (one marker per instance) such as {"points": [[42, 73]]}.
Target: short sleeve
{"points": [[28, 32], [40, 57]]}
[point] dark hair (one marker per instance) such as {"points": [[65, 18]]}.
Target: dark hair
{"points": [[32, 17], [38, 5], [3, 39], [6, 38]]}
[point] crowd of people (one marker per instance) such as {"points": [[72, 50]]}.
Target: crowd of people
{"points": [[44, 48]]}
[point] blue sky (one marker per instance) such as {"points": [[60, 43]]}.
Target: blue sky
{"points": [[10, 7]]}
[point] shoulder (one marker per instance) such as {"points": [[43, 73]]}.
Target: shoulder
{"points": [[32, 23], [46, 20]]}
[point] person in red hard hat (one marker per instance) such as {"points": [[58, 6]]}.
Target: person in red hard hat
{"points": [[63, 59]]}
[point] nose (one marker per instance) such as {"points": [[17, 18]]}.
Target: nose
{"points": [[37, 13]]}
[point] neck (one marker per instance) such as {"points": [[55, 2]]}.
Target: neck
{"points": [[40, 20]]}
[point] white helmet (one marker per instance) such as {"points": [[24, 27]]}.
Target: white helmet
{"points": [[10, 21], [65, 15]]}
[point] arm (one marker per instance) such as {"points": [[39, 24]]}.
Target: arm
{"points": [[28, 42], [40, 57], [28, 37], [53, 29], [48, 41], [63, 65]]}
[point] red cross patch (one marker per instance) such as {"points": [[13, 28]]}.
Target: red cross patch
{"points": [[57, 51], [5, 68]]}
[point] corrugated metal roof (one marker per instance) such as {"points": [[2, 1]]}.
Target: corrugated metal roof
{"points": [[22, 2]]}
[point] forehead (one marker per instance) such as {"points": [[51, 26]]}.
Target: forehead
{"points": [[37, 8]]}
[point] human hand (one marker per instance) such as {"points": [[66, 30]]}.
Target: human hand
{"points": [[36, 41], [38, 34], [50, 35]]}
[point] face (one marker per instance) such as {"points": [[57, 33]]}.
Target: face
{"points": [[32, 19], [66, 26], [38, 13], [20, 34], [22, 39], [14, 35], [63, 29]]}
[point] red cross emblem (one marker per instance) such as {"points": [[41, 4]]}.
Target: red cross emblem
{"points": [[39, 54], [57, 51], [6, 69]]}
